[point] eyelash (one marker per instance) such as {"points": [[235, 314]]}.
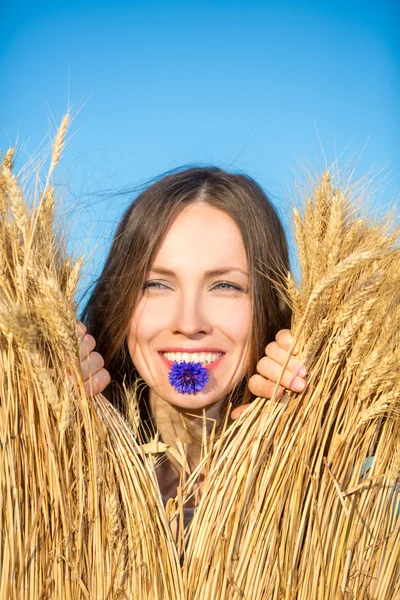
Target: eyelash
{"points": [[158, 285], [153, 284], [232, 286]]}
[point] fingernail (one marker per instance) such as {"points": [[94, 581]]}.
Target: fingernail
{"points": [[298, 384], [302, 371]]}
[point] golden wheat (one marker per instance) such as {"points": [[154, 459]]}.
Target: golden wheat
{"points": [[301, 495]]}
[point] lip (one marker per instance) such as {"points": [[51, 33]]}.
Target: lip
{"points": [[209, 367], [191, 350]]}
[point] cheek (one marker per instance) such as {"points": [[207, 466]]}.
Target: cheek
{"points": [[235, 320], [147, 321], [239, 328]]}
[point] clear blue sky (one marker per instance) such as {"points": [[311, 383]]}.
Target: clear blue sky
{"points": [[252, 86]]}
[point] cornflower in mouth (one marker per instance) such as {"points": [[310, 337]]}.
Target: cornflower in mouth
{"points": [[188, 377]]}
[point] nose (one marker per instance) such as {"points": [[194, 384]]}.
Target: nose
{"points": [[190, 316]]}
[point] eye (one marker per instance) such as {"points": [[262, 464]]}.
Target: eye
{"points": [[155, 285], [226, 285]]}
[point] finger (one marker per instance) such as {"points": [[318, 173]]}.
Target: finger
{"points": [[97, 383], [259, 386], [271, 370], [284, 338], [278, 355], [81, 329], [91, 365], [88, 344], [235, 414]]}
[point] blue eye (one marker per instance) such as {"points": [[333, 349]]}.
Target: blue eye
{"points": [[154, 285], [224, 285]]}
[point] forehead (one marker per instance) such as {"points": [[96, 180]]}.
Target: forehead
{"points": [[202, 234]]}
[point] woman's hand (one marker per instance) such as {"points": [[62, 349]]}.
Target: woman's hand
{"points": [[95, 377], [269, 368]]}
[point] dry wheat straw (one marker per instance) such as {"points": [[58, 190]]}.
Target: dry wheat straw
{"points": [[293, 506]]}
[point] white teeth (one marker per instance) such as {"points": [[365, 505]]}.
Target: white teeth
{"points": [[203, 357]]}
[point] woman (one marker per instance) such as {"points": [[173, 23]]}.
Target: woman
{"points": [[190, 277]]}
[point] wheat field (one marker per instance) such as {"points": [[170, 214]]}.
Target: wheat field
{"points": [[301, 494]]}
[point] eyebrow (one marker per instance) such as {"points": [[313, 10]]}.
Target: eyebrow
{"points": [[210, 272]]}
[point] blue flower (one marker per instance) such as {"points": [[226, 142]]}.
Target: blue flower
{"points": [[188, 378]]}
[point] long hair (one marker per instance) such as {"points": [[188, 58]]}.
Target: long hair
{"points": [[137, 239]]}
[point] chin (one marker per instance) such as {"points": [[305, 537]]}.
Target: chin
{"points": [[191, 401]]}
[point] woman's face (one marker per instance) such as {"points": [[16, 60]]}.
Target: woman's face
{"points": [[195, 306]]}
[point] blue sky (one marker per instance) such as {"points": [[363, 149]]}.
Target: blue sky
{"points": [[251, 86]]}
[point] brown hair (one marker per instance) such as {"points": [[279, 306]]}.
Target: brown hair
{"points": [[138, 238]]}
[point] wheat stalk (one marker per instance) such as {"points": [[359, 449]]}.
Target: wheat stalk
{"points": [[300, 496]]}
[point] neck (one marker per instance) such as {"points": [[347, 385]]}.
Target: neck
{"points": [[180, 426]]}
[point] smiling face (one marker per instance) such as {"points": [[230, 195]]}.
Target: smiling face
{"points": [[195, 307]]}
